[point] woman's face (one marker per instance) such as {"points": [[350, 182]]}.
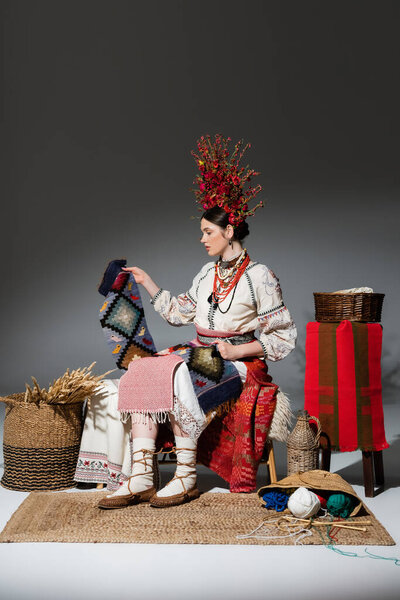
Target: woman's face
{"points": [[214, 238]]}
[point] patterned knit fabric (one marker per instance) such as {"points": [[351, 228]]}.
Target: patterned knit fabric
{"points": [[123, 322], [113, 269], [343, 386]]}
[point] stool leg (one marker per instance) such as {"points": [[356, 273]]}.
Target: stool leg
{"points": [[325, 459], [378, 465], [325, 452], [271, 462], [368, 473]]}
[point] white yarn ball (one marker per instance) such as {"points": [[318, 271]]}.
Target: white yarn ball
{"points": [[303, 503]]}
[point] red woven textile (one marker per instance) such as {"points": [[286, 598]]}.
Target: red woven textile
{"points": [[343, 383], [233, 445]]}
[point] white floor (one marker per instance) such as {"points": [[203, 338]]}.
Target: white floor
{"points": [[84, 571]]}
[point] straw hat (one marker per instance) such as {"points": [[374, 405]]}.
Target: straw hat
{"points": [[315, 480]]}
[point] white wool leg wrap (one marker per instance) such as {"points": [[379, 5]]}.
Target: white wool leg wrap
{"points": [[142, 471], [185, 468]]}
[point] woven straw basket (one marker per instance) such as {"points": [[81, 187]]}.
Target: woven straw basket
{"points": [[362, 307], [41, 444]]}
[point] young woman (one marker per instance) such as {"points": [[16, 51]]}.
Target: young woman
{"points": [[228, 301]]}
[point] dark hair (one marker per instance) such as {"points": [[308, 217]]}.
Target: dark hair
{"points": [[218, 216]]}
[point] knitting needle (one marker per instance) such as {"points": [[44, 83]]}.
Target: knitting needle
{"points": [[325, 525], [326, 522], [350, 527], [347, 522], [340, 524]]}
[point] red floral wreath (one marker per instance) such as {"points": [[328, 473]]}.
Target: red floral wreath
{"points": [[221, 181]]}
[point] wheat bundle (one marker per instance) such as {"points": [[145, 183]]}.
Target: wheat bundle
{"points": [[72, 387]]}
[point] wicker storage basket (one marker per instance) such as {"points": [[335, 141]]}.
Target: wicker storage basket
{"points": [[41, 444], [361, 307]]}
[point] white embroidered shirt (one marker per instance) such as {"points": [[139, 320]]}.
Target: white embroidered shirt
{"points": [[255, 304]]}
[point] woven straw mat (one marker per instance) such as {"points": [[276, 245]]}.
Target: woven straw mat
{"points": [[212, 519]]}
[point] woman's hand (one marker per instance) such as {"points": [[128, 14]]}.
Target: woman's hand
{"points": [[228, 351], [139, 275], [143, 278]]}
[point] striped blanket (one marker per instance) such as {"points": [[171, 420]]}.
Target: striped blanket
{"points": [[343, 383]]}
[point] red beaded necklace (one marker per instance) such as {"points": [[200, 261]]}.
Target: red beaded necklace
{"points": [[221, 287]]}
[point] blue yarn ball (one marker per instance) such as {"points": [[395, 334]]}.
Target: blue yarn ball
{"points": [[276, 500]]}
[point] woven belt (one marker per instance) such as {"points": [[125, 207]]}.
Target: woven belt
{"points": [[235, 340]]}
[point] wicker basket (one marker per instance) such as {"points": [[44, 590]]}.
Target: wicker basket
{"points": [[41, 444], [363, 307]]}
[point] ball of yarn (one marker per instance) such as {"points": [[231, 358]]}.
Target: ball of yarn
{"points": [[276, 500], [341, 505], [303, 503], [322, 500]]}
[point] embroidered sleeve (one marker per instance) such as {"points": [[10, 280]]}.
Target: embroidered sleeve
{"points": [[276, 328], [179, 310]]}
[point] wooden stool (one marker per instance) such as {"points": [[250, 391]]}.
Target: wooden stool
{"points": [[373, 469], [374, 477], [343, 389], [269, 460]]}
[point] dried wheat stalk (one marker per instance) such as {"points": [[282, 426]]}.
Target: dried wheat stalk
{"points": [[72, 387]]}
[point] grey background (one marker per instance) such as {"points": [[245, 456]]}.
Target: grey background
{"points": [[102, 103]]}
